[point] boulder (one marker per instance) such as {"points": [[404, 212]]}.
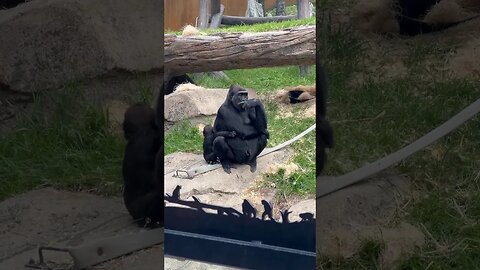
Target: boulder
{"points": [[194, 102], [217, 187], [187, 104], [52, 42]]}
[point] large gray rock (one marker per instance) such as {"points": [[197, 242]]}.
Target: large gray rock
{"points": [[44, 44], [187, 104], [217, 187], [194, 101]]}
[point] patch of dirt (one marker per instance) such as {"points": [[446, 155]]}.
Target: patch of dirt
{"points": [[366, 211], [47, 217], [375, 16], [466, 61], [288, 168], [286, 110], [448, 11]]}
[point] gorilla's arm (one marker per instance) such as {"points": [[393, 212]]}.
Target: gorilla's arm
{"points": [[228, 134], [257, 115]]}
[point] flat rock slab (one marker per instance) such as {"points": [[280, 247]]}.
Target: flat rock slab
{"points": [[48, 217], [217, 187], [366, 211]]}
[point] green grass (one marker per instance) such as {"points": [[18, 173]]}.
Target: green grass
{"points": [[301, 182], [263, 27], [184, 137], [63, 143], [263, 80], [378, 116]]}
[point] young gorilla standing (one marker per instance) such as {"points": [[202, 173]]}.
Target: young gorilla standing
{"points": [[248, 120], [143, 194]]}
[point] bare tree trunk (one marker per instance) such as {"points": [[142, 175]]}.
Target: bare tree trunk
{"points": [[217, 18], [215, 8], [262, 2], [280, 8], [215, 23], [303, 11], [225, 51], [202, 14]]}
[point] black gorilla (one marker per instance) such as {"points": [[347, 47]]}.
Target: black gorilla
{"points": [[143, 192], [208, 137], [325, 132], [248, 120], [174, 81]]}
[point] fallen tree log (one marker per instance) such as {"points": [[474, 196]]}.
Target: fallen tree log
{"points": [[223, 51], [237, 20]]}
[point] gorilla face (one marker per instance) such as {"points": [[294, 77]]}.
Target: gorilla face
{"points": [[238, 97]]}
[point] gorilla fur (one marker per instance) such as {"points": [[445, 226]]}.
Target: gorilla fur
{"points": [[143, 192]]}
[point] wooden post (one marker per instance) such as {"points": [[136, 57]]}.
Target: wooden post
{"points": [[303, 11], [202, 14], [280, 8]]}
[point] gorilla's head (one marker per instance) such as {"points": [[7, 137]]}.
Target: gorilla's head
{"points": [[207, 130], [138, 117], [237, 96]]}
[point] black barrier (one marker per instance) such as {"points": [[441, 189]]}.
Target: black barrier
{"points": [[223, 235]]}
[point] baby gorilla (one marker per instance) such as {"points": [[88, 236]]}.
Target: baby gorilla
{"points": [[143, 194], [208, 137], [248, 120]]}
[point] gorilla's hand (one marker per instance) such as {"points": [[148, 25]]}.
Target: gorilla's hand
{"points": [[251, 103]]}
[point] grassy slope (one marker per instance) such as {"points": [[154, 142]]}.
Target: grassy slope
{"points": [[73, 149], [378, 116]]}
